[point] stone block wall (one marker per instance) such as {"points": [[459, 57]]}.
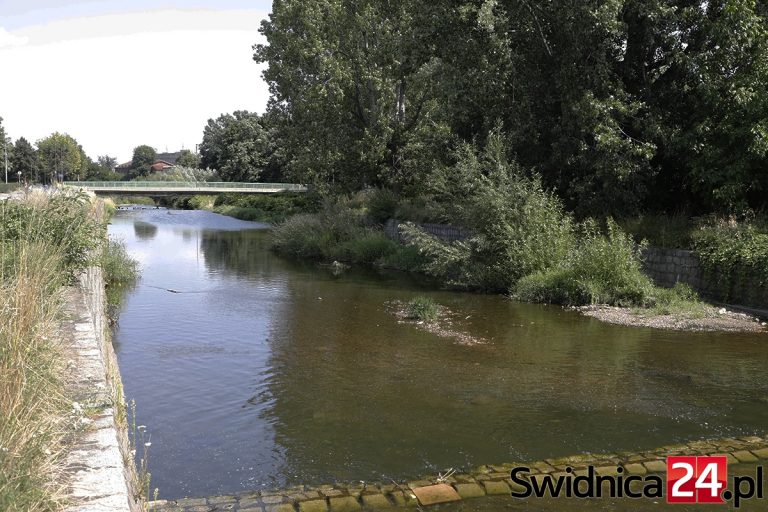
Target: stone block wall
{"points": [[669, 266], [445, 232]]}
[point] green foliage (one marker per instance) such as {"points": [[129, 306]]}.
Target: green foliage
{"points": [[181, 173], [64, 220], [25, 160], [271, 208], [672, 231], [738, 252], [336, 233], [188, 159], [120, 271], [620, 106], [519, 227], [601, 269], [240, 147], [382, 205], [422, 309], [103, 169], [143, 158], [61, 157]]}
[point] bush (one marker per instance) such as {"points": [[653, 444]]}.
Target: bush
{"points": [[520, 228], [602, 269], [65, 220], [382, 204], [738, 252], [423, 309]]}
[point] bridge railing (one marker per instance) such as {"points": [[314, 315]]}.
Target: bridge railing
{"points": [[154, 185]]}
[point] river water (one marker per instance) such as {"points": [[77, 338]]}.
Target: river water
{"points": [[251, 371]]}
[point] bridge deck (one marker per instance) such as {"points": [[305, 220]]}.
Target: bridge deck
{"points": [[180, 187]]}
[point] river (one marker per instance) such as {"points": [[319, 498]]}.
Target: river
{"points": [[251, 371]]}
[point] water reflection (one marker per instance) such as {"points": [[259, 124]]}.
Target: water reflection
{"points": [[144, 230], [264, 372]]}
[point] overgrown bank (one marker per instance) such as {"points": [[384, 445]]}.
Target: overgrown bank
{"points": [[44, 242], [524, 242]]}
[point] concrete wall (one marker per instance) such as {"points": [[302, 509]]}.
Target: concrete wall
{"points": [[99, 467]]}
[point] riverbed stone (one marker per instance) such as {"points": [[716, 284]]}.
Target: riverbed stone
{"points": [[332, 493], [313, 506], [221, 500], [493, 487], [607, 470], [745, 456], [419, 483], [376, 501], [761, 453], [469, 490], [344, 504], [656, 466], [434, 494]]}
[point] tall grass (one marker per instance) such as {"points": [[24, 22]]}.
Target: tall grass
{"points": [[31, 399], [43, 243]]}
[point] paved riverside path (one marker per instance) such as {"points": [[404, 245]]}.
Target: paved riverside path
{"points": [[483, 481], [182, 187]]}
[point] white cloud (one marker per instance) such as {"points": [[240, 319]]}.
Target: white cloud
{"points": [[8, 39], [115, 82]]}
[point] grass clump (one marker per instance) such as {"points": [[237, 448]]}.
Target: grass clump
{"points": [[120, 272], [44, 241], [338, 232], [422, 309], [601, 269]]}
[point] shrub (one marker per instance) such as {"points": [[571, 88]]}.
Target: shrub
{"points": [[602, 269], [382, 204], [423, 309], [736, 251], [368, 248]]}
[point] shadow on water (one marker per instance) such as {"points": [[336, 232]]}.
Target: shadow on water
{"points": [[263, 372]]}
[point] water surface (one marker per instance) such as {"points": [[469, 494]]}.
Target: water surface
{"points": [[253, 371]]}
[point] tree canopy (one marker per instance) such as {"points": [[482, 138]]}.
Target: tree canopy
{"points": [[143, 158], [25, 161], [618, 105], [61, 158], [238, 146]]}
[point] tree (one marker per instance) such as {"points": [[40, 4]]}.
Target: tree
{"points": [[188, 159], [143, 158], [351, 85], [61, 158], [103, 169], [6, 148], [25, 161], [237, 145]]}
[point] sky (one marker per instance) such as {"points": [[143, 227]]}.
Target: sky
{"points": [[116, 74]]}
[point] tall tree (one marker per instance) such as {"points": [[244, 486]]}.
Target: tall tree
{"points": [[351, 82], [62, 158], [188, 159], [103, 169], [6, 149], [25, 161], [143, 158], [237, 145]]}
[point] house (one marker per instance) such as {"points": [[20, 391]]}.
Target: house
{"points": [[163, 162]]}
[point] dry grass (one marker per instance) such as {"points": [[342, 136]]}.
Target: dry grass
{"points": [[44, 240], [31, 401]]}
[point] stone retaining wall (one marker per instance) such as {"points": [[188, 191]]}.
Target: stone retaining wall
{"points": [[445, 232], [669, 266], [482, 481], [98, 466]]}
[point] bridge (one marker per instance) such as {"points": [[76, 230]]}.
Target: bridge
{"points": [[155, 188]]}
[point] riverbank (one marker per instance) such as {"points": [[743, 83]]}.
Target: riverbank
{"points": [[710, 319], [46, 241]]}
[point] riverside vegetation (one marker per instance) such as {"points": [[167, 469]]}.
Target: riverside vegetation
{"points": [[524, 242], [45, 240]]}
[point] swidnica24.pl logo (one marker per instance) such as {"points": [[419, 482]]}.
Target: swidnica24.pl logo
{"points": [[689, 480]]}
